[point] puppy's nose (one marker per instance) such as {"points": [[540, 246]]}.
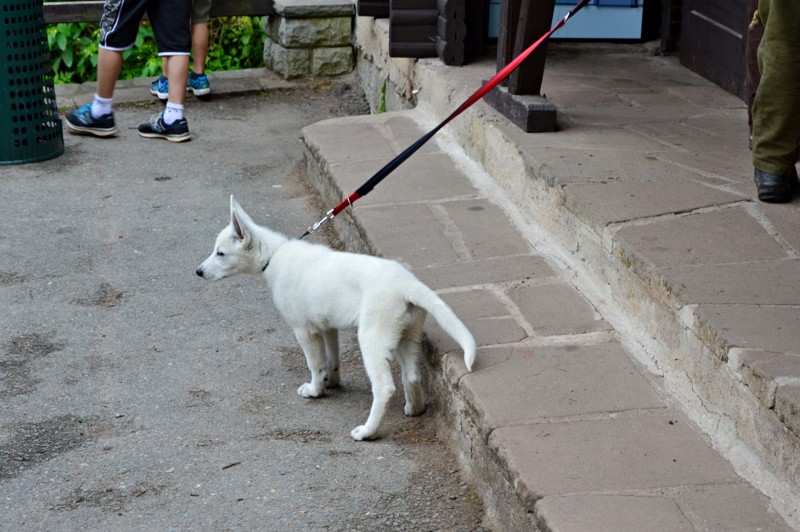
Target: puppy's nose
{"points": [[199, 271]]}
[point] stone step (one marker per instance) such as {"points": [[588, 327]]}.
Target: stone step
{"points": [[559, 425], [646, 191]]}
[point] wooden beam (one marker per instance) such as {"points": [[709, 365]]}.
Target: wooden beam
{"points": [[92, 10]]}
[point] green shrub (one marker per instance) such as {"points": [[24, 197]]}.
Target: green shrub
{"points": [[234, 43], [73, 51]]}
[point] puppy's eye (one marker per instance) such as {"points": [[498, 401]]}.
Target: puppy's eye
{"points": [[220, 254]]}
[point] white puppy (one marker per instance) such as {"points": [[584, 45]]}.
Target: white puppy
{"points": [[319, 291]]}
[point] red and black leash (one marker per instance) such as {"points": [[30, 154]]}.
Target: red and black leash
{"points": [[367, 187]]}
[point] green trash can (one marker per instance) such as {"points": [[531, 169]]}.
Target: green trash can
{"points": [[30, 129]]}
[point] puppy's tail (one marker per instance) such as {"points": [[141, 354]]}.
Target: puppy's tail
{"points": [[422, 296]]}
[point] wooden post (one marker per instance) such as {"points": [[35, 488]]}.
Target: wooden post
{"points": [[523, 22], [535, 18]]}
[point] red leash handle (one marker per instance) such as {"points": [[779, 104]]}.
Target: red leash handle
{"points": [[367, 187], [349, 200]]}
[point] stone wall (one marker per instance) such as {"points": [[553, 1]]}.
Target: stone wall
{"points": [[309, 38]]}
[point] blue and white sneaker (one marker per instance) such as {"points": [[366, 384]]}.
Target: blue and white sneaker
{"points": [[81, 122], [156, 128], [160, 88], [198, 84]]}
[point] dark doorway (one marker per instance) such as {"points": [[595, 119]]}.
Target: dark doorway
{"points": [[712, 43]]}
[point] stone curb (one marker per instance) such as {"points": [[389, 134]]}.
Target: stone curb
{"points": [[556, 425], [640, 168]]}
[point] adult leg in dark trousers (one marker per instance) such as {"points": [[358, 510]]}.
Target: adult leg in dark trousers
{"points": [[755, 31], [776, 107]]}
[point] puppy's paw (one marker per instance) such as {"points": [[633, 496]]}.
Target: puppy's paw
{"points": [[360, 433], [414, 410], [333, 379], [307, 390]]}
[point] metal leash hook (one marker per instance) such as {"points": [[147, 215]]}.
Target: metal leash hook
{"points": [[317, 225], [347, 202]]}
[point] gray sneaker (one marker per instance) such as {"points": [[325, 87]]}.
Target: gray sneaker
{"points": [[81, 122], [156, 128]]}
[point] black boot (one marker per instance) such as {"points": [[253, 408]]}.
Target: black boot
{"points": [[775, 188]]}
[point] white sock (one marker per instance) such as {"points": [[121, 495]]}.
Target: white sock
{"points": [[173, 112], [101, 106]]}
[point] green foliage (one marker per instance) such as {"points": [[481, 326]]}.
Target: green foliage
{"points": [[382, 104], [73, 51], [234, 43]]}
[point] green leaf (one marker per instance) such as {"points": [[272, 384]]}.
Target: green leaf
{"points": [[68, 57]]}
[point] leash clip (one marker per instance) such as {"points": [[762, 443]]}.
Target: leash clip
{"points": [[320, 223]]}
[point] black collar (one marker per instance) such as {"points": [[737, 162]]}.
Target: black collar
{"points": [[267, 264]]}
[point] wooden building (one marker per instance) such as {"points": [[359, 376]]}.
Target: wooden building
{"points": [[709, 35]]}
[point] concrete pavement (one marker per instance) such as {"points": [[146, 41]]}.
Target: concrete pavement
{"points": [[636, 308]]}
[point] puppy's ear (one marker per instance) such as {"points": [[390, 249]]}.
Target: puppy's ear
{"points": [[234, 205], [239, 222], [239, 228]]}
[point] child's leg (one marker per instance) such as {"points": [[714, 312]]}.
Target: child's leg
{"points": [[178, 75], [199, 47], [109, 65]]}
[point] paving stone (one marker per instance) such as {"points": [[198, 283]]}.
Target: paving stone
{"points": [[652, 451], [615, 114], [724, 236], [613, 70], [366, 138], [585, 165], [653, 98], [557, 309], [702, 94], [612, 513], [347, 140], [540, 383], [485, 230], [404, 132], [408, 233], [579, 95], [701, 135], [585, 140], [729, 507], [484, 315], [754, 283], [695, 148], [771, 328], [761, 369], [603, 204], [786, 219], [713, 507], [484, 271], [423, 177]]}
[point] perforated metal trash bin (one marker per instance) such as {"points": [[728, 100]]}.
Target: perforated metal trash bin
{"points": [[30, 129]]}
